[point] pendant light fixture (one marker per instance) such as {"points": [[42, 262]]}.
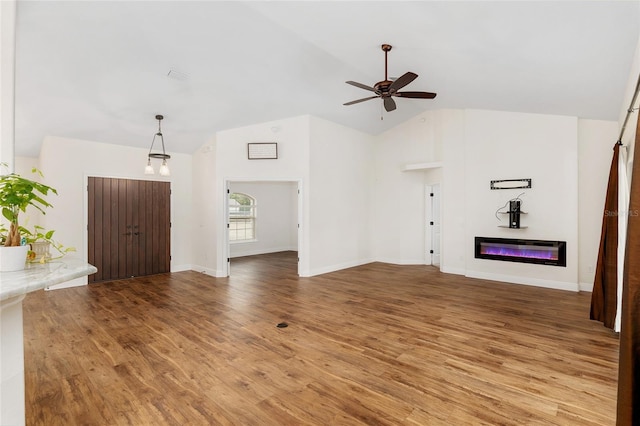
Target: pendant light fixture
{"points": [[164, 168]]}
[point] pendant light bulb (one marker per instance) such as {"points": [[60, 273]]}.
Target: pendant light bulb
{"points": [[164, 169], [149, 169]]}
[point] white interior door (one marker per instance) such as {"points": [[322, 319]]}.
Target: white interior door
{"points": [[434, 224]]}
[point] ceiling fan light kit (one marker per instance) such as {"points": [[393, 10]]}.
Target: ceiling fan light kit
{"points": [[388, 88]]}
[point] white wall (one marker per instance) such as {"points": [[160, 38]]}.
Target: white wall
{"points": [[353, 186], [232, 164], [7, 81], [451, 136], [67, 163], [24, 165], [276, 218], [475, 147], [206, 205], [595, 150], [432, 136], [507, 145], [399, 196], [339, 186], [332, 164]]}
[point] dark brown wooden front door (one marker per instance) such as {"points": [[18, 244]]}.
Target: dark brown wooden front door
{"points": [[129, 228]]}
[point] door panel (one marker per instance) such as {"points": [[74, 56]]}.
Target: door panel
{"points": [[435, 236], [131, 204], [124, 227], [129, 228]]}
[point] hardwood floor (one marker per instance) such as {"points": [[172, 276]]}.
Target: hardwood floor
{"points": [[378, 344]]}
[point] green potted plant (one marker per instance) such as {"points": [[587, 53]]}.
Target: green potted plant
{"points": [[16, 194]]}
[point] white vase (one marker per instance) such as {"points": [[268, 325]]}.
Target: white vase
{"points": [[13, 258]]}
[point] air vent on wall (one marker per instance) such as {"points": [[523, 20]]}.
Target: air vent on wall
{"points": [[177, 75]]}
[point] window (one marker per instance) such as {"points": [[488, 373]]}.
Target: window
{"points": [[242, 217]]}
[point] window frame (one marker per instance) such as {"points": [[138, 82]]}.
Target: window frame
{"points": [[252, 216]]}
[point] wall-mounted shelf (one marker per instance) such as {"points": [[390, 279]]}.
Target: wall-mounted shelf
{"points": [[422, 166], [514, 214]]}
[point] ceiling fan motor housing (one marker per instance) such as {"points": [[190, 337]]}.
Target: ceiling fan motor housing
{"points": [[382, 87]]}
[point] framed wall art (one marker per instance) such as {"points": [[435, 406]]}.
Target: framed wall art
{"points": [[262, 150]]}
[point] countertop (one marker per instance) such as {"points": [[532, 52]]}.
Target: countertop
{"points": [[37, 276]]}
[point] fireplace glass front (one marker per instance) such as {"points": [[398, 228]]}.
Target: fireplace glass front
{"points": [[519, 250]]}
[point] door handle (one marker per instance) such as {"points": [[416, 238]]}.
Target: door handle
{"points": [[127, 233]]}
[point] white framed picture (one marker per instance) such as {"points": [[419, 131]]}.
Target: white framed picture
{"points": [[262, 150]]}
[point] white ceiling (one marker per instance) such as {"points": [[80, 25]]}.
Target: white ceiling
{"points": [[97, 70]]}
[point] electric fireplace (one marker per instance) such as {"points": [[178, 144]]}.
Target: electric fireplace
{"points": [[525, 251]]}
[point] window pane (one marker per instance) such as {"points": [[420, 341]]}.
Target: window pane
{"points": [[242, 217]]}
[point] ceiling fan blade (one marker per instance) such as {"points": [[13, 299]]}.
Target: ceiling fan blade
{"points": [[360, 85], [389, 104], [417, 95], [402, 81], [361, 100]]}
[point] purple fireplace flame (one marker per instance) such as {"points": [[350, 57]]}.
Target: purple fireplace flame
{"points": [[518, 250], [512, 250]]}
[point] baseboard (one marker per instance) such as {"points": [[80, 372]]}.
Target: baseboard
{"points": [[181, 268], [401, 261], [588, 287], [205, 270], [77, 282], [557, 285], [454, 271], [333, 268], [255, 252]]}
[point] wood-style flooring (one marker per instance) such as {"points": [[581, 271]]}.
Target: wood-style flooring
{"points": [[378, 344]]}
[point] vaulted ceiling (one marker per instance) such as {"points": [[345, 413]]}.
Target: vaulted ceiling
{"points": [[101, 70]]}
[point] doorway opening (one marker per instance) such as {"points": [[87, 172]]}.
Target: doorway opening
{"points": [[262, 217]]}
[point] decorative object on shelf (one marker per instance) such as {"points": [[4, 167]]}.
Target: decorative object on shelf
{"points": [[164, 168], [16, 194], [513, 211], [40, 252], [510, 184], [262, 150], [41, 242]]}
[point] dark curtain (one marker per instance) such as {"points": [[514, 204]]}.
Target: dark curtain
{"points": [[604, 296], [629, 364]]}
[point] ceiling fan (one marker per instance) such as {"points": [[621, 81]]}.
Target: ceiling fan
{"points": [[386, 88]]}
